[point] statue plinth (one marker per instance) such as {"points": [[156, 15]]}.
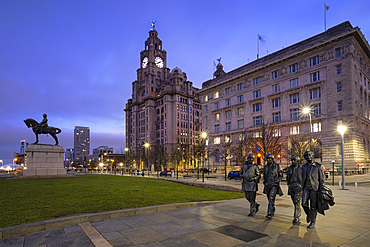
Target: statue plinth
{"points": [[44, 160]]}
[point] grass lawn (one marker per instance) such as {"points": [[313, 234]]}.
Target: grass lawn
{"points": [[31, 200]]}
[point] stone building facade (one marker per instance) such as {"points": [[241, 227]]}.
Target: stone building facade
{"points": [[328, 72], [164, 111]]}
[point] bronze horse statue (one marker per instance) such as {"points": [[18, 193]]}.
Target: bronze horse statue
{"points": [[36, 127]]}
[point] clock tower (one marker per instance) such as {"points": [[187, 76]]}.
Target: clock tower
{"points": [[163, 112]]}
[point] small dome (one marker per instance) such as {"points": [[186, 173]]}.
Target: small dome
{"points": [[176, 70]]}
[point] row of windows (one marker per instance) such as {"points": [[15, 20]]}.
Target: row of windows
{"points": [[293, 130]]}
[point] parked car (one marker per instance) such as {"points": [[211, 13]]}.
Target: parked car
{"points": [[165, 173], [233, 175]]}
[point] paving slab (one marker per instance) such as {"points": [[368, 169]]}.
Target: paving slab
{"points": [[142, 235]]}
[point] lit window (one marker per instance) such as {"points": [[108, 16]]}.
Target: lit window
{"points": [[241, 124], [217, 117], [256, 134], [294, 130], [216, 95], [240, 111], [316, 127], [217, 140], [314, 61], [276, 132], [205, 98]]}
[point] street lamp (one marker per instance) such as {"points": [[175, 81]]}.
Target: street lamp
{"points": [[147, 145], [342, 129], [204, 137], [121, 164], [307, 110]]}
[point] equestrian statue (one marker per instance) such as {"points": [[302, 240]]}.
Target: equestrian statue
{"points": [[42, 128]]}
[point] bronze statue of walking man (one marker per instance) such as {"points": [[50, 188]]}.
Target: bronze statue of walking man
{"points": [[251, 176], [294, 182], [272, 175], [313, 182]]}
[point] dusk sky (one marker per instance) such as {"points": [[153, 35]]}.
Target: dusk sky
{"points": [[76, 60]]}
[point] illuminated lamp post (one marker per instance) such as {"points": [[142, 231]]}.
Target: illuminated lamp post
{"points": [[307, 110], [121, 164], [342, 129], [147, 145], [204, 137]]}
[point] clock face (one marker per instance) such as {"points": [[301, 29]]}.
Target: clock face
{"points": [[145, 62], [159, 62]]}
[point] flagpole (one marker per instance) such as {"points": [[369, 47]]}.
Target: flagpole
{"points": [[258, 46]]}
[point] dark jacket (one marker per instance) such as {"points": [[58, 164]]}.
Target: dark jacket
{"points": [[326, 198], [298, 175], [277, 173], [251, 177], [316, 176]]}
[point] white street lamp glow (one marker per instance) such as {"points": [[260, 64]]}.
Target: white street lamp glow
{"points": [[126, 149], [342, 129], [146, 145], [204, 135], [306, 110]]}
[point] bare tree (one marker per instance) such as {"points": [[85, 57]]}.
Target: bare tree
{"points": [[175, 157], [268, 139], [161, 158], [243, 145], [297, 145], [222, 151]]}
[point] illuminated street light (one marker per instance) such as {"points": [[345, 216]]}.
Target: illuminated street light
{"points": [[342, 129], [204, 137], [101, 167], [147, 145]]}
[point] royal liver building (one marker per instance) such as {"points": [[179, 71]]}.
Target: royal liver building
{"points": [[163, 114]]}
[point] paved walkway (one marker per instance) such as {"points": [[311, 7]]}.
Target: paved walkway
{"points": [[224, 224]]}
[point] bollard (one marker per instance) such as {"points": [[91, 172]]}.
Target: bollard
{"points": [[356, 184], [340, 184]]}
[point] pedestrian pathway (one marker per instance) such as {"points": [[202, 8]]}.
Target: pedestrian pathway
{"points": [[224, 224]]}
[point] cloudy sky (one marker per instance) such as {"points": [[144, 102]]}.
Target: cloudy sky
{"points": [[75, 60]]}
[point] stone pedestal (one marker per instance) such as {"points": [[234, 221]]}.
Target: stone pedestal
{"points": [[44, 160]]}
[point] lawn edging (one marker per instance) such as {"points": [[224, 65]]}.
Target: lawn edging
{"points": [[19, 230]]}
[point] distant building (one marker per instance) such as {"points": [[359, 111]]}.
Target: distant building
{"points": [[68, 157], [329, 73], [81, 143], [164, 111], [101, 151]]}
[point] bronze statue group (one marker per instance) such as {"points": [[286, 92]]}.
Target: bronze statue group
{"points": [[305, 185]]}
